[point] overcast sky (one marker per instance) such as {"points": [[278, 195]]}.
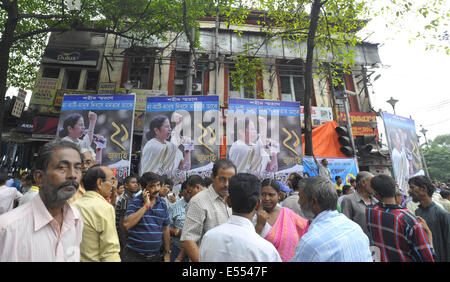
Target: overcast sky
{"points": [[418, 78]]}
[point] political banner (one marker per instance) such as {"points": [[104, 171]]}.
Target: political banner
{"points": [[264, 137], [103, 124], [346, 168], [404, 148], [180, 136]]}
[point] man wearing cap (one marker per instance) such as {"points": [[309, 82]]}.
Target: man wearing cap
{"points": [[284, 192]]}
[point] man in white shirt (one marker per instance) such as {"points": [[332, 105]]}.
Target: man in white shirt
{"points": [[9, 196], [47, 228], [323, 168], [236, 240]]}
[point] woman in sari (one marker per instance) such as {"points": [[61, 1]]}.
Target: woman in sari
{"points": [[278, 225]]}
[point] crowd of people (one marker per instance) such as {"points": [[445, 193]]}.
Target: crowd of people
{"points": [[70, 209]]}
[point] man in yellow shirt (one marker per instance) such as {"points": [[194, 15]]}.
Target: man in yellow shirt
{"points": [[100, 242], [339, 185]]}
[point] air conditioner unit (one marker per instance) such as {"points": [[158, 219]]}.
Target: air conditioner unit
{"points": [[196, 87]]}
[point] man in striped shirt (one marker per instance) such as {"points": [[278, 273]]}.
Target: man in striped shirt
{"points": [[147, 222], [398, 234]]}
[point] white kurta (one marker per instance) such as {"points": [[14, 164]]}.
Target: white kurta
{"points": [[251, 158], [236, 241], [160, 158], [84, 143]]}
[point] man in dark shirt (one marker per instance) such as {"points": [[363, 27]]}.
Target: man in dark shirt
{"points": [[438, 219], [147, 222], [131, 188], [393, 230]]}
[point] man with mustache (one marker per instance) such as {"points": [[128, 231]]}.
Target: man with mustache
{"points": [[100, 241], [438, 219], [147, 223], [207, 209], [47, 228]]}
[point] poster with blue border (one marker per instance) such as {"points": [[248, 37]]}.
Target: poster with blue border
{"points": [[404, 148], [102, 124], [181, 136], [346, 168], [264, 137]]}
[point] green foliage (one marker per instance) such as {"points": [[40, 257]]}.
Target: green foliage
{"points": [[140, 21], [289, 20], [437, 156], [422, 19], [247, 69]]}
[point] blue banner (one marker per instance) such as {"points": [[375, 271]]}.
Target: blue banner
{"points": [[192, 142], [190, 104], [343, 167], [404, 148], [102, 124], [398, 121], [264, 137], [264, 107], [98, 102]]}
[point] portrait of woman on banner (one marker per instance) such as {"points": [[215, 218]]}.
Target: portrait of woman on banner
{"points": [[161, 155], [253, 152], [74, 130]]}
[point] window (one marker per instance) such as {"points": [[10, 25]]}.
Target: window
{"points": [[180, 78], [91, 80], [71, 79], [50, 72], [246, 92], [139, 72], [339, 88], [292, 88], [292, 80]]}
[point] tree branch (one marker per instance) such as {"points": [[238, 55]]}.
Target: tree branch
{"points": [[38, 16], [53, 29], [140, 16], [5, 4]]}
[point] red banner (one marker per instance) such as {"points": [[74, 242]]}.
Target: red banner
{"points": [[361, 123]]}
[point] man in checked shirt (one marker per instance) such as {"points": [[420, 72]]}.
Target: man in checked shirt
{"points": [[399, 235]]}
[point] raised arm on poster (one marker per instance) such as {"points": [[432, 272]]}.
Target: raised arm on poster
{"points": [[75, 131], [253, 152], [160, 155], [272, 145]]}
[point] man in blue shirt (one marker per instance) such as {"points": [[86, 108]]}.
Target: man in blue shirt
{"points": [[147, 222], [14, 181], [331, 236], [177, 213]]}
